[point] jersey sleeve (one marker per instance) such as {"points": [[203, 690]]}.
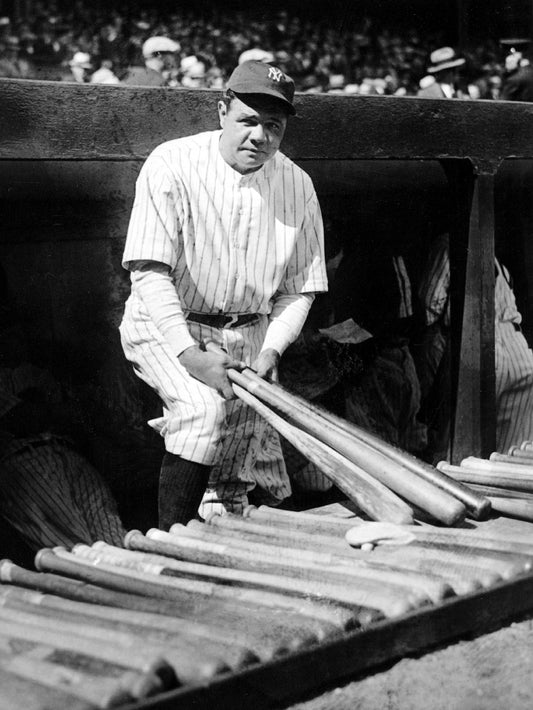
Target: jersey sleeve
{"points": [[154, 226], [306, 271]]}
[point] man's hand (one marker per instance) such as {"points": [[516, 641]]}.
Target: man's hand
{"points": [[267, 363], [210, 368]]}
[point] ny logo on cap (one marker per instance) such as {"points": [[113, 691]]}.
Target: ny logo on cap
{"points": [[275, 74]]}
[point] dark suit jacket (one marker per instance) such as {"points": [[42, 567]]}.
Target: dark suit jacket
{"points": [[519, 85]]}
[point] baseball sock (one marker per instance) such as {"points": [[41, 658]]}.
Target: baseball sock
{"points": [[182, 484]]}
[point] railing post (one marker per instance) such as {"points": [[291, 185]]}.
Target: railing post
{"points": [[473, 430]]}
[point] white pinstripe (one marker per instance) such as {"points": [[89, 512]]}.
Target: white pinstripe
{"points": [[234, 243], [513, 357]]}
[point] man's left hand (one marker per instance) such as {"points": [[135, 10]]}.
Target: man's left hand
{"points": [[267, 363]]}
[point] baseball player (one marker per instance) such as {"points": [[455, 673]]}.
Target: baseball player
{"points": [[513, 357], [225, 243]]}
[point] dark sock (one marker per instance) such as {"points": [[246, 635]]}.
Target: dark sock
{"points": [[181, 487]]}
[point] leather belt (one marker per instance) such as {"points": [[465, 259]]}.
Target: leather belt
{"points": [[223, 320]]}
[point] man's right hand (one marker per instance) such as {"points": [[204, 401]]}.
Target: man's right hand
{"points": [[210, 368]]}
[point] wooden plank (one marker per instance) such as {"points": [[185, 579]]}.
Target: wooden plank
{"points": [[474, 422], [88, 122], [290, 678]]}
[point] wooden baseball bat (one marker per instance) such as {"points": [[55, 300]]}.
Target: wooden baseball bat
{"points": [[367, 594], [478, 464], [252, 587], [35, 629], [23, 693], [189, 665], [162, 629], [367, 493], [307, 629], [511, 458], [195, 648], [466, 559], [495, 492], [513, 508], [395, 468], [493, 564], [291, 630], [264, 639], [102, 692], [423, 587], [394, 475], [478, 506], [489, 478], [520, 454], [340, 617]]}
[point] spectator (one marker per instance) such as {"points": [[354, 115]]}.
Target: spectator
{"points": [[443, 69], [80, 67], [12, 66], [104, 74], [160, 67]]}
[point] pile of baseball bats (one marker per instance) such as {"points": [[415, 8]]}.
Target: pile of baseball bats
{"points": [[102, 626], [383, 481], [506, 480]]}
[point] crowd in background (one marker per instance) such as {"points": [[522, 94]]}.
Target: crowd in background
{"points": [[89, 43]]}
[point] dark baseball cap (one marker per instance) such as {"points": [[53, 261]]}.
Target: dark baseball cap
{"points": [[255, 77]]}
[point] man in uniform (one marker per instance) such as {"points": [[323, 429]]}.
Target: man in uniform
{"points": [[225, 243]]}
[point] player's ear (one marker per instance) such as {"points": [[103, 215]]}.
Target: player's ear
{"points": [[222, 113]]}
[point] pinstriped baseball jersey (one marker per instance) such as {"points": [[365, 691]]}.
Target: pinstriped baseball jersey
{"points": [[513, 357], [234, 244], [232, 241]]}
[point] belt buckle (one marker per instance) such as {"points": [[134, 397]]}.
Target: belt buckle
{"points": [[232, 320]]}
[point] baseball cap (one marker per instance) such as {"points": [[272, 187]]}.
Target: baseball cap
{"points": [[153, 45], [256, 77]]}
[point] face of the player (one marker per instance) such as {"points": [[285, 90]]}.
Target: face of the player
{"points": [[250, 135]]}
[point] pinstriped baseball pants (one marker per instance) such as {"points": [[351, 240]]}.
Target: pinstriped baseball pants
{"points": [[199, 425], [53, 496], [514, 387]]}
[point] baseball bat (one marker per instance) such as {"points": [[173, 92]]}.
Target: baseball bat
{"points": [[366, 594], [495, 492], [478, 506], [252, 587], [367, 493], [513, 508], [520, 456], [291, 630], [199, 649], [423, 587], [306, 629], [23, 693], [394, 475], [340, 617], [395, 468], [478, 464], [161, 628], [264, 639], [489, 478], [102, 692], [35, 629], [467, 560], [511, 458], [503, 567]]}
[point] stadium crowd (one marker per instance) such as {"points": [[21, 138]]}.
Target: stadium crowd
{"points": [[91, 44]]}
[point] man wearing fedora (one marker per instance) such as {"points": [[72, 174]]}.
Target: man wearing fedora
{"points": [[442, 75], [225, 244]]}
